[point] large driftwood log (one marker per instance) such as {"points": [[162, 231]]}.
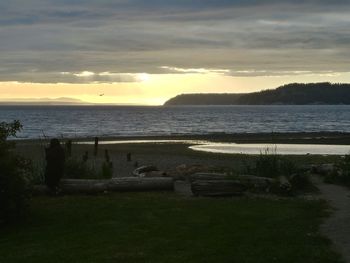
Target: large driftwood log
{"points": [[252, 183], [217, 188], [122, 184], [141, 184], [208, 176]]}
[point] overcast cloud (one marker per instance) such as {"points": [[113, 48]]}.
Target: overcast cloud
{"points": [[50, 41]]}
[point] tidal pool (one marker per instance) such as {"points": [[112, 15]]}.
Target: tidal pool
{"points": [[285, 149]]}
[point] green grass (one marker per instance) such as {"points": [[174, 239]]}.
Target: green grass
{"points": [[162, 227]]}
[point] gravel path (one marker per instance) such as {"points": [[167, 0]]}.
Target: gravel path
{"points": [[337, 226]]}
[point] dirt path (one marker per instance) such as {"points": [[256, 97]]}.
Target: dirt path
{"points": [[337, 226]]}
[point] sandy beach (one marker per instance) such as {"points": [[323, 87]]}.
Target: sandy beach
{"points": [[169, 155]]}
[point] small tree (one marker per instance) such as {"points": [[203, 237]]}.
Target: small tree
{"points": [[15, 173]]}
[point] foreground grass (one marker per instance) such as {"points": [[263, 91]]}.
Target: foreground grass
{"points": [[161, 227]]}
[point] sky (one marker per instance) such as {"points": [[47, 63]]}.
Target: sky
{"points": [[144, 52]]}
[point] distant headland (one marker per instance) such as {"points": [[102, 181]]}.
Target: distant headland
{"points": [[291, 94]]}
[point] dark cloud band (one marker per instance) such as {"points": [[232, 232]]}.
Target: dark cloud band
{"points": [[40, 39]]}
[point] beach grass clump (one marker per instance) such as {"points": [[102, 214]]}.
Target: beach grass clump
{"points": [[15, 176], [272, 165]]}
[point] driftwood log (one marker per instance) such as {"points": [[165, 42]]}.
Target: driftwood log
{"points": [[207, 184], [253, 183], [208, 176], [122, 184], [217, 188]]}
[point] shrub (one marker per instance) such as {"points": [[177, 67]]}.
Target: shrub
{"points": [[15, 175]]}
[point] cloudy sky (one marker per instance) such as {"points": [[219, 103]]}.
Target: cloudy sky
{"points": [[137, 51]]}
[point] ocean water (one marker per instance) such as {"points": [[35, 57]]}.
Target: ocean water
{"points": [[84, 121]]}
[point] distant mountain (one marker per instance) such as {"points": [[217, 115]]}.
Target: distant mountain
{"points": [[291, 94], [43, 101]]}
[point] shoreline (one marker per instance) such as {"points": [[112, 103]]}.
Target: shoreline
{"points": [[331, 138], [168, 156]]}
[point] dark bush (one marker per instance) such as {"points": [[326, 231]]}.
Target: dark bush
{"points": [[15, 176]]}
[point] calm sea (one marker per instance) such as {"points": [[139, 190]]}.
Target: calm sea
{"points": [[82, 121]]}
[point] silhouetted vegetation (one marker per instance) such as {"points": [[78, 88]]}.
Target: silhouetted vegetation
{"points": [[205, 99], [15, 175], [291, 94]]}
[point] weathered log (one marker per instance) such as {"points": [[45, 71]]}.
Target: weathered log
{"points": [[208, 176], [256, 184], [122, 184], [252, 183], [72, 186], [217, 188], [141, 184]]}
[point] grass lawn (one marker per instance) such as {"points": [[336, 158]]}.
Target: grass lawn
{"points": [[162, 227]]}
